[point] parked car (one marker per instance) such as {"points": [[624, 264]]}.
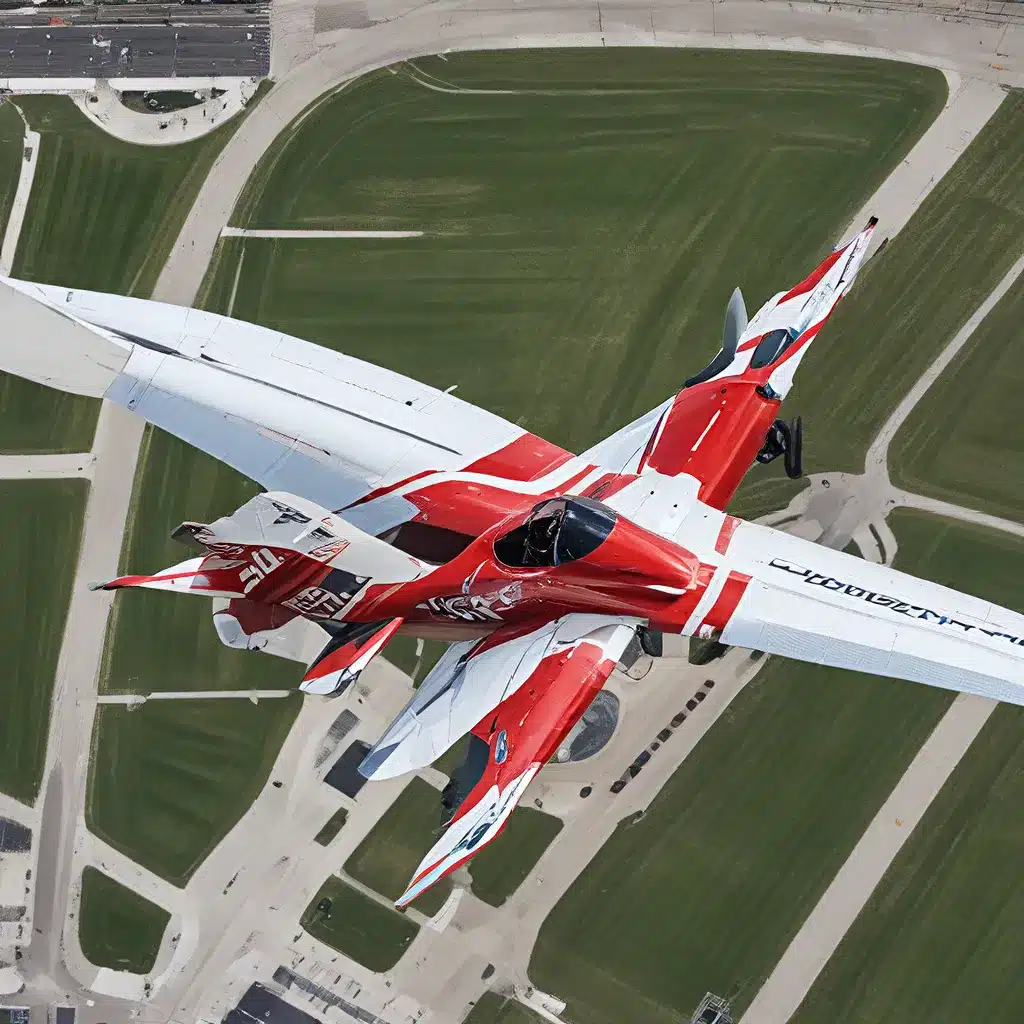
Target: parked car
{"points": [[618, 785], [678, 720], [699, 696], [709, 683], [664, 734], [691, 704]]}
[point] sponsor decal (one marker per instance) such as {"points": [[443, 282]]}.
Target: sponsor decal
{"points": [[475, 607], [287, 514], [893, 604], [501, 747]]}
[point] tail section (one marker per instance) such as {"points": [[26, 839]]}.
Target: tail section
{"points": [[279, 550]]}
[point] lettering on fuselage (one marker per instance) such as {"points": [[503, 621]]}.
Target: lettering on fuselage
{"points": [[474, 607], [894, 604]]}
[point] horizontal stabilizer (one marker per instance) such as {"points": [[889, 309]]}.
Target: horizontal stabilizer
{"points": [[338, 665]]}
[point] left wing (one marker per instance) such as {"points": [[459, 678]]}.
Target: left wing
{"points": [[518, 697], [290, 415]]}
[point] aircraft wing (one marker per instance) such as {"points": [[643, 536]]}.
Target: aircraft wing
{"points": [[517, 693], [291, 415], [784, 595]]}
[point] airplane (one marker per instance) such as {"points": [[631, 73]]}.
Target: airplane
{"points": [[390, 506]]}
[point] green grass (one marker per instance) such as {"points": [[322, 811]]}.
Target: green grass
{"points": [[586, 231], [117, 927], [332, 827], [370, 934], [492, 1008], [910, 302], [386, 859], [170, 779], [12, 140], [103, 215], [707, 890], [401, 651], [42, 523], [499, 869], [939, 938], [963, 442]]}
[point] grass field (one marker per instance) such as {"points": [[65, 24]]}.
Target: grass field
{"points": [[939, 938], [587, 228], [499, 869], [911, 301], [169, 780], [42, 521], [708, 889], [370, 934], [963, 442], [117, 927], [103, 214], [12, 133], [386, 859], [492, 1008]]}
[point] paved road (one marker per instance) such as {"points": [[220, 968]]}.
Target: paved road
{"points": [[96, 16], [141, 51]]}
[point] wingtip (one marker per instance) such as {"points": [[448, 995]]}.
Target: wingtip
{"points": [[872, 221]]}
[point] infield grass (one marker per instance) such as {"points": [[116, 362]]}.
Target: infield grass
{"points": [[500, 868], [117, 927], [41, 521], [170, 779], [583, 229], [386, 859], [12, 139], [911, 300], [939, 938], [103, 215], [370, 934], [963, 442]]}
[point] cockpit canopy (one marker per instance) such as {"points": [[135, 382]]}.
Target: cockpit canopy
{"points": [[557, 531]]}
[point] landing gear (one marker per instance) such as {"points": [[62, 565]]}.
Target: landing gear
{"points": [[787, 440]]}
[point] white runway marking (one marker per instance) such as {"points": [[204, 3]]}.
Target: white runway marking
{"points": [[138, 698], [229, 232]]}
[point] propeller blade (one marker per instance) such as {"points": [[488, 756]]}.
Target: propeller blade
{"points": [[735, 323]]}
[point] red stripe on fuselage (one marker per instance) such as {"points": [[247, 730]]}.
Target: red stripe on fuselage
{"points": [[722, 610], [526, 458], [814, 277]]}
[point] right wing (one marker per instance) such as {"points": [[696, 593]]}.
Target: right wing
{"points": [[290, 415], [785, 595], [543, 682]]}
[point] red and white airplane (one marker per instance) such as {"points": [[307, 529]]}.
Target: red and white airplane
{"points": [[393, 506]]}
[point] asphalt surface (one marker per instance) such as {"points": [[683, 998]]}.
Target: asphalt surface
{"points": [[144, 41]]}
